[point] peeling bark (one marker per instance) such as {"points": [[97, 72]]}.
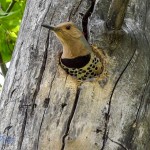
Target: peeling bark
{"points": [[43, 108]]}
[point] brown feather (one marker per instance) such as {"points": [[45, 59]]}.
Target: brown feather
{"points": [[73, 41]]}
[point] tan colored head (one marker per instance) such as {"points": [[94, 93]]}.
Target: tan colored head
{"points": [[72, 39]]}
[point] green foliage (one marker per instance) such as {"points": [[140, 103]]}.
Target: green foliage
{"points": [[11, 12]]}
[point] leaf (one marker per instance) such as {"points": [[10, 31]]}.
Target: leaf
{"points": [[5, 4], [2, 13], [9, 27], [6, 44]]}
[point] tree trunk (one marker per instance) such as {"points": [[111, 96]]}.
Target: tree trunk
{"points": [[43, 108]]}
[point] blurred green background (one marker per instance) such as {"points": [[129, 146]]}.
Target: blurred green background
{"points": [[11, 12]]}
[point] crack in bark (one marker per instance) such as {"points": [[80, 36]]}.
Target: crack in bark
{"points": [[86, 17], [139, 109], [73, 12], [121, 145], [77, 7], [20, 139], [142, 99], [63, 104], [40, 74], [105, 135], [70, 118], [39, 133], [11, 94]]}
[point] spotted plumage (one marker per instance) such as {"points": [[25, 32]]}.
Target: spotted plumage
{"points": [[92, 69]]}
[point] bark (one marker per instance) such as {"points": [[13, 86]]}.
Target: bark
{"points": [[43, 108], [116, 14], [3, 67]]}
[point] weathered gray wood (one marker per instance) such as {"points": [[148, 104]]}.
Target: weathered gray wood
{"points": [[45, 109], [116, 14]]}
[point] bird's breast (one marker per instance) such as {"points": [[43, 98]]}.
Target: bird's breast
{"points": [[84, 67]]}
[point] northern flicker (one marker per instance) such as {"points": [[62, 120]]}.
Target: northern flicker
{"points": [[78, 58]]}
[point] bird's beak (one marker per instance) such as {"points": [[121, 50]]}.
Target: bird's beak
{"points": [[49, 27]]}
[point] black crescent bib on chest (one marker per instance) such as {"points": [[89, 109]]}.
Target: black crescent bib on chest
{"points": [[77, 62], [83, 67]]}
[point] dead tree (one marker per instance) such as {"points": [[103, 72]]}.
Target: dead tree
{"points": [[43, 108]]}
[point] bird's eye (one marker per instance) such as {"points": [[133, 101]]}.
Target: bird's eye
{"points": [[68, 27]]}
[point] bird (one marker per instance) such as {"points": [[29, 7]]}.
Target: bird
{"points": [[78, 58]]}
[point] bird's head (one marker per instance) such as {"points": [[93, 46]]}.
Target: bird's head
{"points": [[72, 39]]}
